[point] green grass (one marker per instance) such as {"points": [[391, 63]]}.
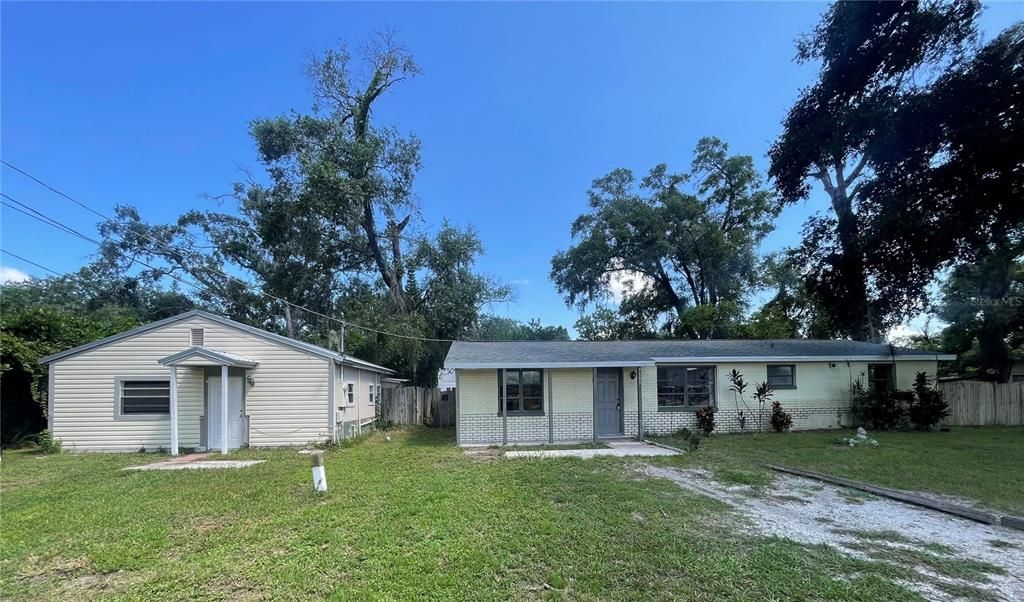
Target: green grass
{"points": [[411, 518], [979, 464]]}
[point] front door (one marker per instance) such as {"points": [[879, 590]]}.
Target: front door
{"points": [[608, 401], [235, 421]]}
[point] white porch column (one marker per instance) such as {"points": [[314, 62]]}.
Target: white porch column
{"points": [[224, 409], [174, 410]]}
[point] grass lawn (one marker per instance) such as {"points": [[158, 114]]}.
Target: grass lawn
{"points": [[413, 517], [985, 465]]}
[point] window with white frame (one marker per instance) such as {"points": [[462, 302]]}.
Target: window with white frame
{"points": [[350, 394], [378, 393], [373, 392]]}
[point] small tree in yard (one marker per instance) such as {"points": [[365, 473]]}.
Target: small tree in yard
{"points": [[929, 406], [762, 394], [781, 420]]}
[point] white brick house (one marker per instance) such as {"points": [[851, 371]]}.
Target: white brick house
{"points": [[571, 391]]}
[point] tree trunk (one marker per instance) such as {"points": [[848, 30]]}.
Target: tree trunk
{"points": [[857, 313], [996, 363], [289, 324]]}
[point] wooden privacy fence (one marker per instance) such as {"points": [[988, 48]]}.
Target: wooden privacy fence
{"points": [[417, 405], [976, 403]]}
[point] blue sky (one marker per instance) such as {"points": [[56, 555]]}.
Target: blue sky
{"points": [[518, 108]]}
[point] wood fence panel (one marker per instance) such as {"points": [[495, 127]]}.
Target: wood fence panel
{"points": [[417, 406], [976, 403]]}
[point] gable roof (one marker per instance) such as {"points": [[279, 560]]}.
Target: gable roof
{"points": [[588, 354], [217, 357], [309, 348]]}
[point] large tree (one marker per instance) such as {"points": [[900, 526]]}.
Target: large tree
{"points": [[686, 257], [870, 56], [335, 227], [947, 196]]}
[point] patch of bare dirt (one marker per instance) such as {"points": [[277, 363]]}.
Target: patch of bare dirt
{"points": [[950, 555], [483, 454], [76, 578]]}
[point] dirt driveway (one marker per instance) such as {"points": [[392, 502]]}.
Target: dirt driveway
{"points": [[945, 557]]}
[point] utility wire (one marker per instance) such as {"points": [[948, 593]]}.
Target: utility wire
{"points": [[30, 262], [248, 286], [87, 284]]}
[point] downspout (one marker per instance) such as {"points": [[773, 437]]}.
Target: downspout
{"points": [[504, 409], [332, 401], [593, 404], [458, 418], [551, 409], [639, 406]]}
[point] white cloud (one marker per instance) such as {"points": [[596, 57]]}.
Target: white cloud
{"points": [[519, 282], [9, 275], [900, 334], [626, 281]]}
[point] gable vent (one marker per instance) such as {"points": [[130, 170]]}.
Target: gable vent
{"points": [[198, 337]]}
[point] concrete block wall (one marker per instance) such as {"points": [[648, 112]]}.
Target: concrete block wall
{"points": [[820, 401]]}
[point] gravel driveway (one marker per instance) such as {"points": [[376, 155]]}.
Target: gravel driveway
{"points": [[950, 557]]}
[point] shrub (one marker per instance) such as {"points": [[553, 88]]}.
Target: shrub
{"points": [[690, 438], [881, 410], [706, 420], [929, 406], [47, 444], [781, 420]]}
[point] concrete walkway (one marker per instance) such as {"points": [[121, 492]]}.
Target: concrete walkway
{"points": [[615, 448], [194, 462]]}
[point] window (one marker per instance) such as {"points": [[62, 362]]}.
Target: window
{"points": [[373, 392], [198, 337], [523, 390], [350, 394], [880, 377], [145, 397], [782, 376], [686, 386], [378, 393]]}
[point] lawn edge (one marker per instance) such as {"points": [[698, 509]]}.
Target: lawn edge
{"points": [[1005, 520]]}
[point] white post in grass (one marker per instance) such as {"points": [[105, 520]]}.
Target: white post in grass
{"points": [[174, 410], [319, 476], [224, 409]]}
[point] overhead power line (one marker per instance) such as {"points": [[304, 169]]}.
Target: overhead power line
{"points": [[69, 230]]}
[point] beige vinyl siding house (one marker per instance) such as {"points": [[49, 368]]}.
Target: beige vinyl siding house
{"points": [[579, 391], [127, 392]]}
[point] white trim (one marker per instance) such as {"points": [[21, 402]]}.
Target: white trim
{"points": [[373, 392], [309, 348], [782, 359], [174, 410], [510, 365], [350, 394], [224, 403]]}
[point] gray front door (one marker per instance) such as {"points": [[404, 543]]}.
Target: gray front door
{"points": [[607, 401]]}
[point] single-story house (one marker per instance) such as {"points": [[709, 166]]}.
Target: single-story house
{"points": [[161, 386], [564, 391]]}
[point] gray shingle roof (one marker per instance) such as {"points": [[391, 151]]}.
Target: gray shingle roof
{"points": [[294, 343], [542, 354]]}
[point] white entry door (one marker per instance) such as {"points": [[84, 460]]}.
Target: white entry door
{"points": [[235, 422]]}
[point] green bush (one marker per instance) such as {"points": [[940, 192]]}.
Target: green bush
{"points": [[929, 407], [781, 419], [922, 407], [706, 420], [47, 444]]}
